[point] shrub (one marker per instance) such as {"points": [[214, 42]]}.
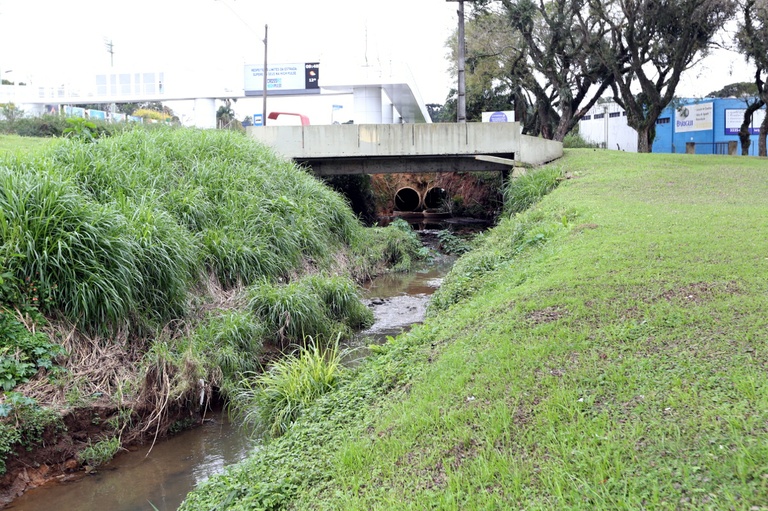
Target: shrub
{"points": [[54, 126], [574, 140]]}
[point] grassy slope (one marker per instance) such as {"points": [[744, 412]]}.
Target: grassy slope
{"points": [[618, 363]]}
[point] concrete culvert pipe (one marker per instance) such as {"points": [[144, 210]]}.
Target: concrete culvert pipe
{"points": [[407, 199], [435, 198]]}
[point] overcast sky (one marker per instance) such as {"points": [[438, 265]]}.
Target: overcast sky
{"points": [[43, 37], [40, 38]]}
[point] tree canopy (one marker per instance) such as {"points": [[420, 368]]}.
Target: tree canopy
{"points": [[650, 45], [554, 59]]}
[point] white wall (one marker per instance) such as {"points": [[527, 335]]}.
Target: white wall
{"points": [[611, 131]]}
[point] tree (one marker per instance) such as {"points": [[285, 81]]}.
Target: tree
{"points": [[532, 56], [649, 45], [225, 115], [561, 48], [155, 106], [10, 113], [747, 91], [753, 43], [486, 57], [434, 110], [735, 90]]}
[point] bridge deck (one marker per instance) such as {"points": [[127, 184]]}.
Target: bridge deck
{"points": [[377, 148]]}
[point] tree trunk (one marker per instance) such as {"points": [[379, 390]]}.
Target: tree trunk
{"points": [[562, 129], [745, 140], [644, 141], [761, 149], [744, 134]]}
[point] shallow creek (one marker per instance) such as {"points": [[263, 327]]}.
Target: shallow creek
{"points": [[160, 477]]}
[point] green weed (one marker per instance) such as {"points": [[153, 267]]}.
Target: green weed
{"points": [[99, 453], [22, 424], [23, 352]]}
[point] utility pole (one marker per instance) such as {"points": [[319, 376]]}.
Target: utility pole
{"points": [[111, 51], [264, 91], [461, 105], [111, 107]]}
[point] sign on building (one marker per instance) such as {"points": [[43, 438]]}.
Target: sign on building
{"points": [[501, 116], [297, 78], [694, 117], [735, 116]]}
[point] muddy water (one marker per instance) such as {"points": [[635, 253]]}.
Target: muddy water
{"points": [[161, 478], [400, 300], [141, 479]]}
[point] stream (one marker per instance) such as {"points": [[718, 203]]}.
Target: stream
{"points": [[160, 478]]}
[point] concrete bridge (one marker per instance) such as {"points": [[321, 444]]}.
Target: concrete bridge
{"points": [[411, 148]]}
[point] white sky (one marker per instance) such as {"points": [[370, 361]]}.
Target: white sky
{"points": [[42, 38], [39, 38]]}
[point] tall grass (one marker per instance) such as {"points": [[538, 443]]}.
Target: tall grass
{"points": [[273, 400], [520, 193], [74, 250], [119, 231], [317, 306], [233, 342]]}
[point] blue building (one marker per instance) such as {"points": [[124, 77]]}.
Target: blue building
{"points": [[710, 123]]}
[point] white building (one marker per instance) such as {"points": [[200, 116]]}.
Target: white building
{"points": [[606, 124]]}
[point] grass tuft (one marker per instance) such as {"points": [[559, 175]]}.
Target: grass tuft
{"points": [[273, 400], [520, 193]]}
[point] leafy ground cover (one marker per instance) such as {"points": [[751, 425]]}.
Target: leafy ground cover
{"points": [[605, 349]]}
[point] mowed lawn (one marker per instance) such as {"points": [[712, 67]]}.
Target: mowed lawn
{"points": [[621, 363], [15, 143]]}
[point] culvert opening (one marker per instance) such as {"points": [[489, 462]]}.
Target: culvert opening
{"points": [[407, 199], [435, 198]]}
